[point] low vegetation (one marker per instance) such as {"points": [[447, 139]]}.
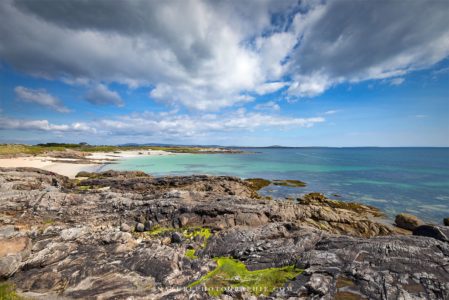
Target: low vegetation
{"points": [[231, 273], [8, 292], [39, 149], [190, 254]]}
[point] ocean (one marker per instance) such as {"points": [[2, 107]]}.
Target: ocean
{"points": [[412, 180]]}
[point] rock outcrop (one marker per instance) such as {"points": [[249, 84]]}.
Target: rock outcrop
{"points": [[129, 235], [407, 221]]}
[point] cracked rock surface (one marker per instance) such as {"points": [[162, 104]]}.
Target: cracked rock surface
{"points": [[68, 239]]}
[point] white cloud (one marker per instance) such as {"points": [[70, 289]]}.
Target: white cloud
{"points": [[169, 124], [42, 125], [397, 81], [101, 95], [40, 97], [384, 39], [270, 87], [207, 55], [270, 105], [331, 112]]}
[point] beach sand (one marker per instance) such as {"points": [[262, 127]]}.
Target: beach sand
{"points": [[63, 166]]}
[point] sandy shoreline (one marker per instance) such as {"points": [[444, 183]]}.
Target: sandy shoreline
{"points": [[65, 166]]}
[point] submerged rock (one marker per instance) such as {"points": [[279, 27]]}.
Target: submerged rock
{"points": [[407, 221]]}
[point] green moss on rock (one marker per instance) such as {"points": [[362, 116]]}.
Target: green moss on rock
{"points": [[231, 273], [258, 183], [8, 292], [289, 183], [190, 254]]}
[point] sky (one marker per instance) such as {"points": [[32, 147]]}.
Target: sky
{"points": [[244, 73]]}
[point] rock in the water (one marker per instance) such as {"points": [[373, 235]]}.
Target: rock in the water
{"points": [[176, 237], [446, 221], [435, 231], [140, 227], [407, 221]]}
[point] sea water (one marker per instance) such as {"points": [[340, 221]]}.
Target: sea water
{"points": [[413, 180]]}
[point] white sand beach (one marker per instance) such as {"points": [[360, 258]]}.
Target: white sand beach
{"points": [[64, 166]]}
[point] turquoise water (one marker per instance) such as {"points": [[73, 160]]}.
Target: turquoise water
{"points": [[414, 180]]}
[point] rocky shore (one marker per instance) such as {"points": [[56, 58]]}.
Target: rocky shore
{"points": [[128, 235]]}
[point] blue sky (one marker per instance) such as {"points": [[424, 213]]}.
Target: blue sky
{"points": [[227, 73]]}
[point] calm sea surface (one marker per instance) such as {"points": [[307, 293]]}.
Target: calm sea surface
{"points": [[414, 180]]}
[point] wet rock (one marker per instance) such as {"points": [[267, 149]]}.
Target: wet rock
{"points": [[446, 222], [407, 221], [140, 227]]}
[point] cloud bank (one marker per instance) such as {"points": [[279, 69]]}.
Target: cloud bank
{"points": [[149, 124], [208, 55]]}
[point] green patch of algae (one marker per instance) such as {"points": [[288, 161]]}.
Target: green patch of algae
{"points": [[231, 273], [8, 292], [190, 254]]}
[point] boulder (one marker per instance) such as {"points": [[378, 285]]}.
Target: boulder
{"points": [[125, 227], [140, 227], [435, 231], [148, 225], [407, 221], [12, 252], [176, 237], [446, 221]]}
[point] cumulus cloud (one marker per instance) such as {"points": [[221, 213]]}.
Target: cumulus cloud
{"points": [[209, 55], [41, 125], [101, 95], [40, 97], [352, 41]]}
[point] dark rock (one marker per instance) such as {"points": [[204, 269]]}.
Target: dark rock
{"points": [[446, 221], [407, 221], [434, 231], [176, 237], [148, 225]]}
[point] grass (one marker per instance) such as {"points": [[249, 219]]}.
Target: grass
{"points": [[8, 292], [15, 149], [231, 273]]}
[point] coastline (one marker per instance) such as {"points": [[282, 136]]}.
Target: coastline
{"points": [[93, 162]]}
